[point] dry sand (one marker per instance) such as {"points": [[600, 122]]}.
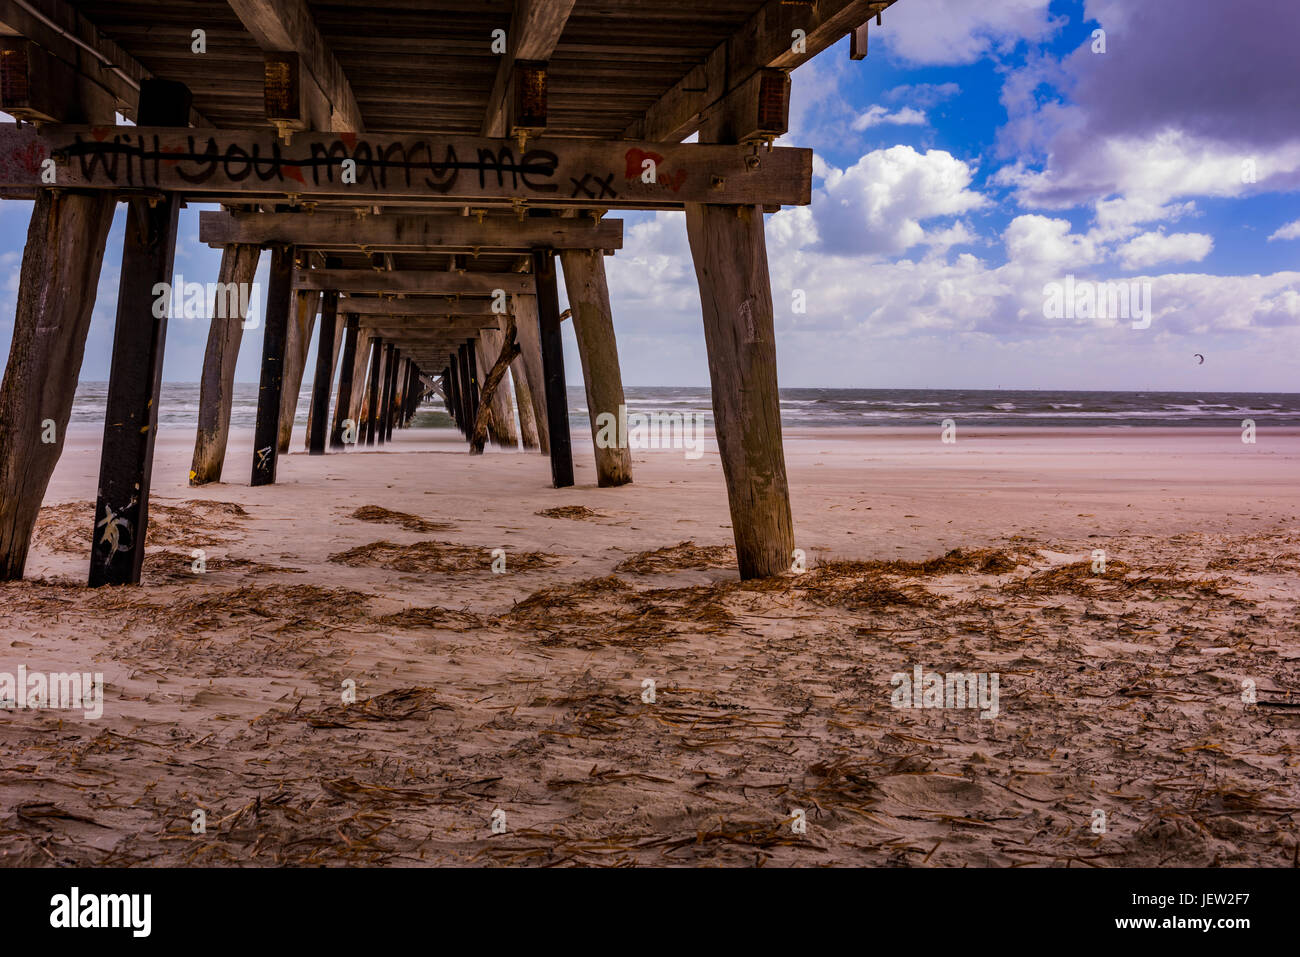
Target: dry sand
{"points": [[1119, 692]]}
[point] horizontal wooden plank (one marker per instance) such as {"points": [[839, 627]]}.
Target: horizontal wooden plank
{"points": [[441, 169], [395, 232], [414, 281], [416, 308]]}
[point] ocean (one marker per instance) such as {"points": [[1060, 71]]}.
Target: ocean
{"points": [[835, 407]]}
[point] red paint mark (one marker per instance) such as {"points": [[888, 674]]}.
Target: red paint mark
{"points": [[30, 157], [349, 140], [100, 133], [635, 157], [676, 180], [175, 151], [293, 172]]}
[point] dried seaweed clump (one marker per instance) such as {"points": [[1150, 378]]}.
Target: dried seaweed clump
{"points": [[383, 516], [677, 557], [295, 606], [548, 601], [577, 512], [172, 568], [403, 704], [431, 556], [68, 527], [857, 585], [959, 561], [431, 617]]}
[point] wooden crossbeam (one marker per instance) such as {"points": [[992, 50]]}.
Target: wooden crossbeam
{"points": [[416, 308], [397, 232], [535, 28], [766, 41], [431, 283], [105, 64], [436, 169], [286, 26]]}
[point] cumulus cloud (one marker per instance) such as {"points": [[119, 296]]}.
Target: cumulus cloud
{"points": [[877, 205], [878, 115], [924, 95], [1290, 231], [959, 31], [1149, 249]]}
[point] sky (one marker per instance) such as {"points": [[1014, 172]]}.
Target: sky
{"points": [[980, 153]]}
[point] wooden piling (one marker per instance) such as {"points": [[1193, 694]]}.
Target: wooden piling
{"points": [[323, 383], [344, 402], [390, 387], [528, 367], [56, 297], [360, 365], [593, 325], [275, 333], [295, 362], [501, 423], [217, 384], [376, 367], [552, 346], [135, 377]]}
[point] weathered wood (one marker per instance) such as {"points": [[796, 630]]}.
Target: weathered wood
{"points": [[217, 385], [397, 232], [386, 405], [509, 349], [731, 265], [287, 25], [376, 370], [359, 369], [428, 282], [346, 372], [35, 85], [135, 376], [530, 364], [56, 296], [295, 362], [447, 170], [765, 41], [280, 301], [501, 412], [323, 382], [419, 308], [535, 29], [469, 408], [556, 388], [858, 42], [336, 347], [593, 325]]}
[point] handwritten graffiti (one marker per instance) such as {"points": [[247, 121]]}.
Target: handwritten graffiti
{"points": [[128, 159], [581, 186], [114, 526]]}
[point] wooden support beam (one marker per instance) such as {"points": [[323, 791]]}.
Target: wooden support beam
{"points": [[469, 410], [288, 26], [376, 369], [135, 377], [535, 29], [56, 297], [438, 170], [419, 308], [475, 382], [428, 282], [858, 42], [397, 232], [344, 402], [593, 325], [323, 382], [530, 363], [217, 384], [275, 335], [386, 403], [730, 254], [35, 85], [556, 388], [359, 369], [105, 70], [508, 349], [295, 362], [767, 41], [489, 346]]}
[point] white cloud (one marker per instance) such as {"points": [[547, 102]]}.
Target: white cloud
{"points": [[1040, 241], [1290, 231], [878, 116], [1157, 247], [962, 31], [877, 206]]}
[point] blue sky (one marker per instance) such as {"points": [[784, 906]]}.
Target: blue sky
{"points": [[981, 151]]}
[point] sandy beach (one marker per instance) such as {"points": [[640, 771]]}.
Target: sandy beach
{"points": [[1121, 691]]}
